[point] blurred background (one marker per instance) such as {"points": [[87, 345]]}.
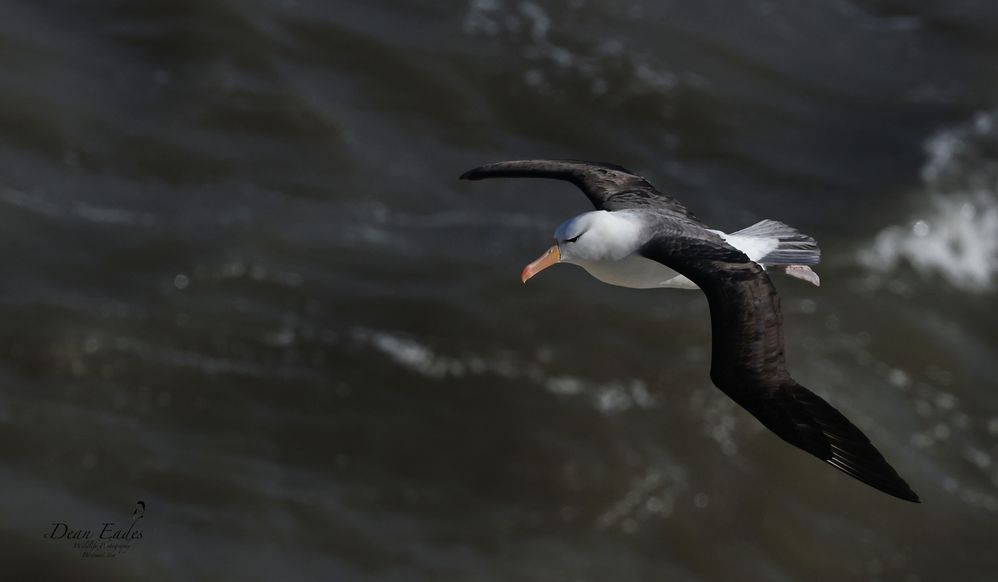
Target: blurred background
{"points": [[242, 283]]}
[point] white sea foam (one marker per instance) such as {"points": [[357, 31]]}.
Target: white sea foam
{"points": [[956, 234], [620, 396], [420, 358], [483, 17], [653, 495], [42, 204], [609, 397]]}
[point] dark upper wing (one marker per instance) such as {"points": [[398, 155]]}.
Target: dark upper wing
{"points": [[607, 186], [747, 360]]}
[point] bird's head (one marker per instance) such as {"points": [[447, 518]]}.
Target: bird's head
{"points": [[587, 238]]}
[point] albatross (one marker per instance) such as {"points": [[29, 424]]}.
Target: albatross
{"points": [[642, 238]]}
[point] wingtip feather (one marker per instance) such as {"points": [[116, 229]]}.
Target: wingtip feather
{"points": [[850, 451], [807, 421]]}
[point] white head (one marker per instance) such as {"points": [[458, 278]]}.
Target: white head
{"points": [[598, 236]]}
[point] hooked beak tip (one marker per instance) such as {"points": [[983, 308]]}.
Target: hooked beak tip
{"points": [[550, 257]]}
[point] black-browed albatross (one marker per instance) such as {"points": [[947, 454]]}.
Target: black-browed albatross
{"points": [[639, 237]]}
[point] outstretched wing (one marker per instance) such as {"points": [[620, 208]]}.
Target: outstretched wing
{"points": [[608, 187], [747, 360]]}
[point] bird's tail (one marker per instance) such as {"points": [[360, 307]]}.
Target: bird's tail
{"points": [[781, 247]]}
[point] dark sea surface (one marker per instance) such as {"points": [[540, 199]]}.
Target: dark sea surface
{"points": [[242, 283]]}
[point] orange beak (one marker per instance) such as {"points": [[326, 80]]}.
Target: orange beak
{"points": [[550, 257]]}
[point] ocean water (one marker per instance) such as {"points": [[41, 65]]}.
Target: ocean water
{"points": [[243, 285]]}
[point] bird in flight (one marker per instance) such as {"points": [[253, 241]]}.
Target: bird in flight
{"points": [[641, 238]]}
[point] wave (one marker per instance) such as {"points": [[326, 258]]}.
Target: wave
{"points": [[607, 66], [610, 397], [955, 235]]}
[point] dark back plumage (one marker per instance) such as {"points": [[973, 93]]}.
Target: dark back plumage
{"points": [[608, 186]]}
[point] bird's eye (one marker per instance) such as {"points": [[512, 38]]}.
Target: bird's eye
{"points": [[573, 239]]}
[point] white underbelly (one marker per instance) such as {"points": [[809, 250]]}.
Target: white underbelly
{"points": [[636, 272]]}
